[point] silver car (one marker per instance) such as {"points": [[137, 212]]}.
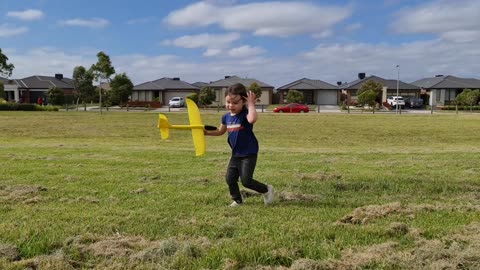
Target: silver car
{"points": [[176, 102]]}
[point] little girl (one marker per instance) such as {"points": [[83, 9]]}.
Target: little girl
{"points": [[239, 124]]}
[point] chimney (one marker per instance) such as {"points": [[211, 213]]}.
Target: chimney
{"points": [[226, 77], [58, 76], [361, 76], [436, 76], [339, 83], [176, 79]]}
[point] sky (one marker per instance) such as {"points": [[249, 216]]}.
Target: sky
{"points": [[276, 42]]}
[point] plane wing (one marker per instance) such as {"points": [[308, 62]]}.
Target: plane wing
{"points": [[197, 128]]}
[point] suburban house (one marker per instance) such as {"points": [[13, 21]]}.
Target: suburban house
{"points": [[221, 86], [389, 88], [200, 84], [444, 89], [314, 91], [162, 90], [29, 89], [11, 90]]}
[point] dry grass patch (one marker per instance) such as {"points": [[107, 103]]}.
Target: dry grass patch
{"points": [[112, 252], [21, 193], [368, 213], [9, 252]]}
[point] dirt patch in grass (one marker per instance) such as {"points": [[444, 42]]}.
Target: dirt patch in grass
{"points": [[318, 176], [116, 252], [21, 193], [367, 213], [285, 196], [296, 197], [456, 251], [9, 252]]}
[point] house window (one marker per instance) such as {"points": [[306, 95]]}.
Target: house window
{"points": [[437, 94], [450, 94]]}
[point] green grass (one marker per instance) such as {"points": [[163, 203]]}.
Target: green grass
{"points": [[72, 181]]}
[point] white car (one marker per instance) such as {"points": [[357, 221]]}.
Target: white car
{"points": [[393, 100], [176, 102]]}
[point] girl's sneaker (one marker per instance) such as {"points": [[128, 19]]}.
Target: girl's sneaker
{"points": [[235, 204], [269, 195]]}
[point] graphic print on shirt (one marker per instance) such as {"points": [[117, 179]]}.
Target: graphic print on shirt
{"points": [[232, 127]]}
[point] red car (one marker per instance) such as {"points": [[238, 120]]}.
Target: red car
{"points": [[292, 108]]}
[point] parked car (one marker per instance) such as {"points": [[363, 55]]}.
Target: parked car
{"points": [[393, 100], [292, 108], [413, 102], [176, 102]]}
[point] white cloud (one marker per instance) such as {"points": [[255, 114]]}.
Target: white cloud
{"points": [[212, 52], [327, 62], [245, 51], [10, 31], [48, 61], [288, 18], [91, 23], [445, 18], [27, 15], [416, 59], [215, 41]]}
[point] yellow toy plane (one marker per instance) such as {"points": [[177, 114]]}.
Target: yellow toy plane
{"points": [[195, 126]]}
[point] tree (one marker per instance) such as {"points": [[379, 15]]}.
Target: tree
{"points": [[468, 97], [2, 91], [207, 96], [295, 96], [56, 96], [121, 89], [102, 71], [374, 86], [6, 69], [368, 97], [256, 89], [83, 83]]}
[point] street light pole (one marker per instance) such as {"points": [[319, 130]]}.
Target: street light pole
{"points": [[398, 82]]}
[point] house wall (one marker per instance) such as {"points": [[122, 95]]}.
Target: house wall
{"points": [[12, 92], [437, 97], [142, 95]]}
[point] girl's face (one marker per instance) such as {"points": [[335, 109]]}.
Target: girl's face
{"points": [[234, 103]]}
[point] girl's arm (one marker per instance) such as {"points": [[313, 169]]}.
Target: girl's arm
{"points": [[252, 111], [220, 131]]}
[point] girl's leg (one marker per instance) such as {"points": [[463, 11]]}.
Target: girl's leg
{"points": [[232, 180], [247, 167]]}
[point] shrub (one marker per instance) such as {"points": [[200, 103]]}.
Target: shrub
{"points": [[25, 107]]}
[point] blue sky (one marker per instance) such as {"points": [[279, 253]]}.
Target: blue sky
{"points": [[276, 42]]}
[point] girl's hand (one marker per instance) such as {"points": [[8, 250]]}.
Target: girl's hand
{"points": [[251, 97]]}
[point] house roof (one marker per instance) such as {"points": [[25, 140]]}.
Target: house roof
{"points": [[390, 84], [166, 84], [44, 82], [306, 84], [231, 80], [200, 84], [448, 81]]}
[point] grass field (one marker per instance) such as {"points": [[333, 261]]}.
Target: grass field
{"points": [[81, 191]]}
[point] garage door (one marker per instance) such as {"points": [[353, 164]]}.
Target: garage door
{"points": [[327, 97]]}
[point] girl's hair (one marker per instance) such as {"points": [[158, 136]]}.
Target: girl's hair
{"points": [[237, 89]]}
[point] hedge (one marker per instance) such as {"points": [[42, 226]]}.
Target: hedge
{"points": [[25, 107]]}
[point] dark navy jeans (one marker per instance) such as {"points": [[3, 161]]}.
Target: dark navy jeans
{"points": [[243, 168]]}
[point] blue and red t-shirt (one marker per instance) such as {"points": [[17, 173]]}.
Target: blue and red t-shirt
{"points": [[240, 134]]}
